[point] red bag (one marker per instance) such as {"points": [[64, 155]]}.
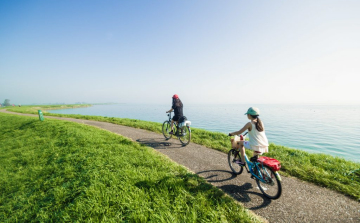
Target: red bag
{"points": [[270, 162]]}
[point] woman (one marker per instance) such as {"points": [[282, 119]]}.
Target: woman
{"points": [[258, 141], [177, 107]]}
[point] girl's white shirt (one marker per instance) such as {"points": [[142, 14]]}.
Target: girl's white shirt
{"points": [[256, 138]]}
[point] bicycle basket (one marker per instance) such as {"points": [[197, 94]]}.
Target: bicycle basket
{"points": [[274, 164]]}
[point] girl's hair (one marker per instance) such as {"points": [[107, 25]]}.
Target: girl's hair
{"points": [[259, 125], [177, 102]]}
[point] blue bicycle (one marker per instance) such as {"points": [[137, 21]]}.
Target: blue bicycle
{"points": [[262, 169]]}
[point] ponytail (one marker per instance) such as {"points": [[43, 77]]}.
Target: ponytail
{"points": [[259, 125]]}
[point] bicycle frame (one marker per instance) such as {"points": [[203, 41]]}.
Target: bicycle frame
{"points": [[250, 166], [176, 125], [182, 130]]}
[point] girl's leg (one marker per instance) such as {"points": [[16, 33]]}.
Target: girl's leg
{"points": [[242, 151]]}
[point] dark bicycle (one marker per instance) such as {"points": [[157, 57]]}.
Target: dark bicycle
{"points": [[181, 130]]}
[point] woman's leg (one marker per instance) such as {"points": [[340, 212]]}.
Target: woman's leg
{"points": [[172, 126]]}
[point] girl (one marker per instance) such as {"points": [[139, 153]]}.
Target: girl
{"points": [[177, 107], [257, 139]]}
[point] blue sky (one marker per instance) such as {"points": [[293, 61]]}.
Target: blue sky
{"points": [[206, 51]]}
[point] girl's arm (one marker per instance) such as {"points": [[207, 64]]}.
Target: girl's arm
{"points": [[170, 110], [247, 126]]}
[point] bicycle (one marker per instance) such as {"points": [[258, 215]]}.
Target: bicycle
{"points": [[182, 130], [263, 170]]}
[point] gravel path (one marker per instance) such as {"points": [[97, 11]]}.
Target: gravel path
{"points": [[300, 201]]}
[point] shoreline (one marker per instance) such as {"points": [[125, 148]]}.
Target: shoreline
{"points": [[293, 132], [334, 173], [61, 107]]}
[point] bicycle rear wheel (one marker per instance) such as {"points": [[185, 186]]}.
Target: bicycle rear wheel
{"points": [[166, 128], [271, 187], [185, 135], [235, 168]]}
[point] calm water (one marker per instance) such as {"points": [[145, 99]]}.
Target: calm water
{"points": [[330, 129]]}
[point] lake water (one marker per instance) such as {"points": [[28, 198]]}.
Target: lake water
{"points": [[329, 129]]}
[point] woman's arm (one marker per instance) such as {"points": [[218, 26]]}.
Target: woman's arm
{"points": [[170, 110], [247, 126]]}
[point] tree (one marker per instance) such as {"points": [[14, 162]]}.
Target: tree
{"points": [[7, 102]]}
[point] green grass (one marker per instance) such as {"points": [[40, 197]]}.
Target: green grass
{"points": [[332, 172], [57, 171]]}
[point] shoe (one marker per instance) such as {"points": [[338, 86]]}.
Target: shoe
{"points": [[171, 133], [239, 162]]}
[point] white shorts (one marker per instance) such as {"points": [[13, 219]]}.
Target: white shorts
{"points": [[258, 149]]}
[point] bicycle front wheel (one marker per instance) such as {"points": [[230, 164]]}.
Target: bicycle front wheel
{"points": [[185, 135], [166, 128], [232, 156], [270, 185]]}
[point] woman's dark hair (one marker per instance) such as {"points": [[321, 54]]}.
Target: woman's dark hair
{"points": [[177, 102], [258, 125]]}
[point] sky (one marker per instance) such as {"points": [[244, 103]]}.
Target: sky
{"points": [[206, 51]]}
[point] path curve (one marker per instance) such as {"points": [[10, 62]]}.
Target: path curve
{"points": [[300, 201]]}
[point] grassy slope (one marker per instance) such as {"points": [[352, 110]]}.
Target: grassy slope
{"points": [[325, 170], [63, 171]]}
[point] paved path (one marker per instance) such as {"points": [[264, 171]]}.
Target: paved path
{"points": [[300, 201]]}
